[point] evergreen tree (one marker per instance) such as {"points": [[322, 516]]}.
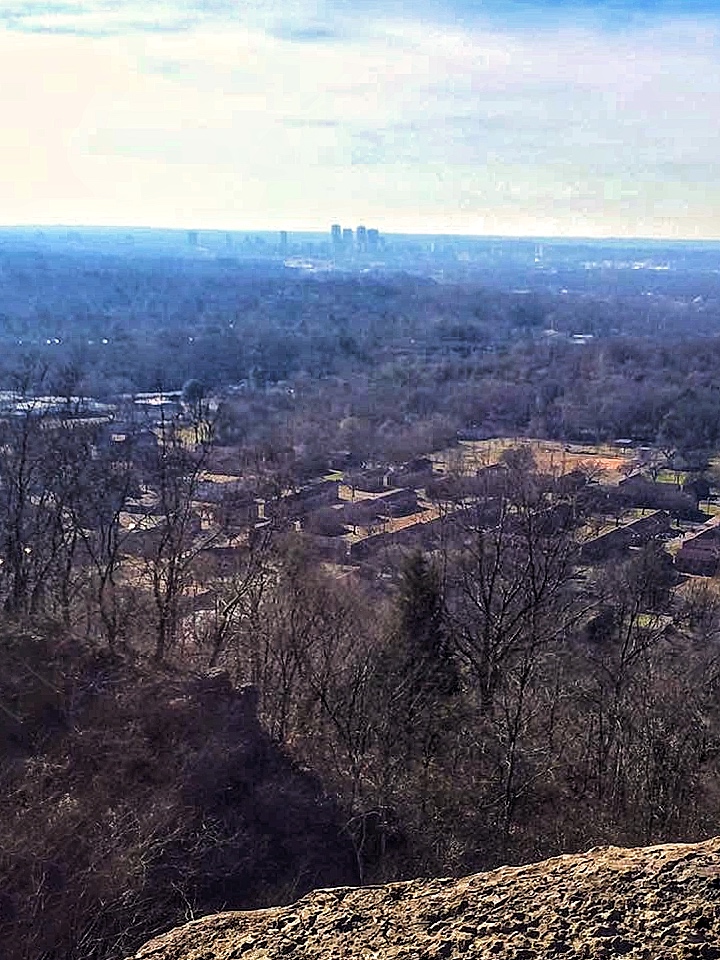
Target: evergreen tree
{"points": [[421, 625]]}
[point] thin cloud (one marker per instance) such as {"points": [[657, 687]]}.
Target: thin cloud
{"points": [[308, 123], [307, 34], [300, 21], [241, 112], [101, 19]]}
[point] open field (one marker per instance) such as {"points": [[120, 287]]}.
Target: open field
{"points": [[551, 456]]}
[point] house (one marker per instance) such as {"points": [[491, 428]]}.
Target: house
{"points": [[620, 539], [638, 491], [370, 480], [296, 504], [699, 553], [419, 530]]}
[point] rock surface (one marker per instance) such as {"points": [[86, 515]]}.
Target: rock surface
{"points": [[655, 903]]}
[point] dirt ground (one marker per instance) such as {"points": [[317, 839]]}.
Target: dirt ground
{"points": [[551, 456]]}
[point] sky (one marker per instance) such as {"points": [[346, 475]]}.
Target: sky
{"points": [[503, 117]]}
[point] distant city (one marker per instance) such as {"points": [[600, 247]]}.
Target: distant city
{"points": [[555, 265], [343, 241]]}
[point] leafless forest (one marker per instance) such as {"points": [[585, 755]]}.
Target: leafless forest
{"points": [[322, 577]]}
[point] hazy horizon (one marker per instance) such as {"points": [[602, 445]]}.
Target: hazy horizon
{"points": [[324, 232]]}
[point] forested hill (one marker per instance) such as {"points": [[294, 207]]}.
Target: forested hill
{"points": [[87, 306]]}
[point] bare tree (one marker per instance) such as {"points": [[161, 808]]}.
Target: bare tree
{"points": [[173, 534], [509, 571], [626, 637], [238, 595], [39, 469], [100, 498]]}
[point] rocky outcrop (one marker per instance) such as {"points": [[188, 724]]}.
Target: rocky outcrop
{"points": [[655, 903]]}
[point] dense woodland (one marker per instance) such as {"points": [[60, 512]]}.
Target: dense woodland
{"points": [[185, 730], [397, 360]]}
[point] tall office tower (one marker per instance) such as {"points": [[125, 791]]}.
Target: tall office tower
{"points": [[361, 238], [347, 237], [283, 241], [373, 239], [336, 234]]}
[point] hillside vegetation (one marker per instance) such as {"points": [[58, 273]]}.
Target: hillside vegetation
{"points": [[312, 581]]}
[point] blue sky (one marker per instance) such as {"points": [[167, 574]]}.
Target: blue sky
{"points": [[503, 117]]}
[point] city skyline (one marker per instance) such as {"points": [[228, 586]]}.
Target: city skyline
{"points": [[510, 118]]}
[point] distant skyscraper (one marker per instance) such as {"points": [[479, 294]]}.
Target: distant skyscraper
{"points": [[336, 234], [361, 238], [347, 238], [373, 239], [283, 241]]}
